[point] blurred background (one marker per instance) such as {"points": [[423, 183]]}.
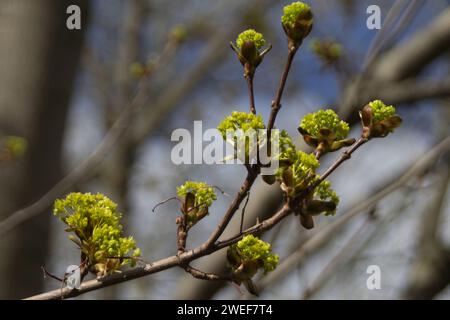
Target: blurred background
{"points": [[76, 115]]}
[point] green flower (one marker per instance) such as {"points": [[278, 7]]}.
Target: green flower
{"points": [[313, 123], [250, 35], [250, 248], [283, 151], [381, 111], [246, 257], [297, 173], [240, 121], [324, 131], [241, 129], [324, 192], [378, 120], [197, 198], [292, 12], [302, 164], [95, 222], [286, 148], [204, 194], [248, 50], [322, 199], [297, 22], [327, 200]]}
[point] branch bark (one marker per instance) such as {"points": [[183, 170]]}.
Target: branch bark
{"points": [[319, 239]]}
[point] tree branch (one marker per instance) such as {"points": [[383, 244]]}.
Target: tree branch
{"points": [[322, 236], [206, 248], [254, 170], [251, 94]]}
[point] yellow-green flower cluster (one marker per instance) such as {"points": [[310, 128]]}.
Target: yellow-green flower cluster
{"points": [[378, 120], [250, 35], [324, 192], [381, 111], [240, 120], [251, 248], [108, 239], [286, 147], [302, 166], [297, 174], [297, 22], [292, 12], [324, 119], [94, 220], [204, 194]]}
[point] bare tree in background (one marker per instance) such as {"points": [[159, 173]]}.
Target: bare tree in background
{"points": [[38, 62]]}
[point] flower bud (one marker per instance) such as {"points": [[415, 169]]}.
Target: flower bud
{"points": [[378, 120], [248, 256], [297, 22], [324, 131], [198, 197], [249, 51]]}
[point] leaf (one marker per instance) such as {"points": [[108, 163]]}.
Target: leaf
{"points": [[316, 207], [307, 221], [269, 179], [189, 203]]}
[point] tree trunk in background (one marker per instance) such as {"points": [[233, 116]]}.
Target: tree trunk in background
{"points": [[38, 63]]}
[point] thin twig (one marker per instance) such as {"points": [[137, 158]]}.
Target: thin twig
{"points": [[48, 274], [322, 236], [234, 206], [253, 171], [243, 213], [344, 157], [165, 201], [265, 225], [251, 94], [276, 104], [157, 266], [205, 275]]}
